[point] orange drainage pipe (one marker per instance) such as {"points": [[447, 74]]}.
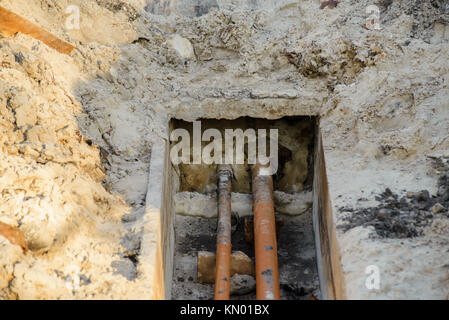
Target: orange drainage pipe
{"points": [[223, 262], [265, 246], [11, 23]]}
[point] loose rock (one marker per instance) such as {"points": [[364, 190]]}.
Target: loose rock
{"points": [[240, 263], [437, 208], [242, 284]]}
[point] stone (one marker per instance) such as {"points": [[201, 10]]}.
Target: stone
{"points": [[182, 46], [442, 191], [242, 284], [206, 267], [412, 195], [437, 208], [240, 264], [421, 196]]}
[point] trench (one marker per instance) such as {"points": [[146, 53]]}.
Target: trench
{"points": [[303, 223]]}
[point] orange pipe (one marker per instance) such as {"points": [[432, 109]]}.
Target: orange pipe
{"points": [[265, 246], [223, 262], [11, 23]]}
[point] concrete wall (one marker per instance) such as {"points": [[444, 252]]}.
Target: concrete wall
{"points": [[328, 254], [157, 249]]}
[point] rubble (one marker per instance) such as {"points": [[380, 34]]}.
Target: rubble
{"points": [[240, 264]]}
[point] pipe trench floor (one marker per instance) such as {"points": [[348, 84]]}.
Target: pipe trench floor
{"points": [[296, 255]]}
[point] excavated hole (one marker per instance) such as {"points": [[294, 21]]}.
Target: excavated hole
{"points": [[195, 207]]}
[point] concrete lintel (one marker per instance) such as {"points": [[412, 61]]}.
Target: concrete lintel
{"points": [[268, 108]]}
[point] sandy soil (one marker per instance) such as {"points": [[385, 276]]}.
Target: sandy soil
{"points": [[76, 130]]}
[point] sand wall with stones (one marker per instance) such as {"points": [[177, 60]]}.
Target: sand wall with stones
{"points": [[76, 130]]}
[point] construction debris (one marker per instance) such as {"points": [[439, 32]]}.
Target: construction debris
{"points": [[14, 236], [240, 263], [11, 23]]}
